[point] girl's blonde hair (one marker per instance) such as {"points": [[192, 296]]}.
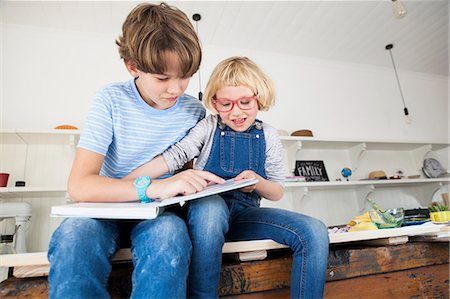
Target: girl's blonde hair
{"points": [[236, 71]]}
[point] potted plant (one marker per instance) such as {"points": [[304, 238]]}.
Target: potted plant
{"points": [[439, 213]]}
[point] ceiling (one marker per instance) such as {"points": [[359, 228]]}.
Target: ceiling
{"points": [[349, 31]]}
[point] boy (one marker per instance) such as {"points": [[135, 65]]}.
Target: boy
{"points": [[129, 124]]}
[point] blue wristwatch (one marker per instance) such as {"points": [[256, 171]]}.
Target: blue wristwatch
{"points": [[141, 184]]}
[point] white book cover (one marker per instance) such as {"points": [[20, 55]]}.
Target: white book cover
{"points": [[138, 210]]}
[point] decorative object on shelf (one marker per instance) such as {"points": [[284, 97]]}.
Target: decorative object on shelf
{"points": [[313, 171], [416, 216], [387, 217], [4, 179], [65, 127], [405, 110], [432, 168], [381, 222], [399, 174], [439, 213], [377, 175], [399, 9], [20, 184], [346, 172], [304, 133], [361, 223], [197, 17]]}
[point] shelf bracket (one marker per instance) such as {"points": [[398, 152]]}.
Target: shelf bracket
{"points": [[355, 154], [419, 155], [298, 196], [362, 194], [428, 193], [291, 148]]}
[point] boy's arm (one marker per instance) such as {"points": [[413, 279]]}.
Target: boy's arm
{"points": [[155, 168], [86, 184]]}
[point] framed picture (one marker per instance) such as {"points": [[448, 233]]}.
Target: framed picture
{"points": [[313, 171]]}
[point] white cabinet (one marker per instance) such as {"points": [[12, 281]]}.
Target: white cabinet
{"points": [[43, 160], [327, 200], [37, 158]]}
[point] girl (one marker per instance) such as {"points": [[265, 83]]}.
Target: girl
{"points": [[234, 143]]}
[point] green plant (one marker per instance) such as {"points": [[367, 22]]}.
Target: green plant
{"points": [[435, 207]]}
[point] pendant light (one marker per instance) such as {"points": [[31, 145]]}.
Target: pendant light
{"points": [[197, 17], [405, 109], [398, 9]]}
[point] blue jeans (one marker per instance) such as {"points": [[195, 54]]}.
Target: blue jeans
{"points": [[306, 236], [81, 248], [207, 221]]}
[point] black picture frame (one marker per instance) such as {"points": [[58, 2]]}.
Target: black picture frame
{"points": [[312, 170]]}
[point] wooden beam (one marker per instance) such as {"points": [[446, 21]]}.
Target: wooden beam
{"points": [[344, 264], [423, 282]]}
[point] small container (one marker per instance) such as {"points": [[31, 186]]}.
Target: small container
{"points": [[440, 217], [380, 222], [4, 179]]}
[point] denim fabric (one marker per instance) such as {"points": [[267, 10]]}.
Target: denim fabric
{"points": [[81, 248], [233, 152], [306, 236], [207, 221]]}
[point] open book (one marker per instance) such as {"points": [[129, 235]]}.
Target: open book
{"points": [[138, 210]]}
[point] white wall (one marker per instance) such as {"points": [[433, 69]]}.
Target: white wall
{"points": [[50, 76]]}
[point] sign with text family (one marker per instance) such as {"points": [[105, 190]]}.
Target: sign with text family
{"points": [[313, 171]]}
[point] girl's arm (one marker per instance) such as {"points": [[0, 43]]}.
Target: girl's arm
{"points": [[155, 168], [267, 189], [177, 155]]}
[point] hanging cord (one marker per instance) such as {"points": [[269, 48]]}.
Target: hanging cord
{"points": [[197, 17], [405, 110]]}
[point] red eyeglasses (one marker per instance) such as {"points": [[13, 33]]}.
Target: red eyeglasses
{"points": [[226, 105]]}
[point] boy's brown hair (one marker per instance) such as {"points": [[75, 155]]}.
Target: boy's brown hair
{"points": [[236, 71], [150, 31]]}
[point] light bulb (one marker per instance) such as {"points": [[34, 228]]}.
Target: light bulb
{"points": [[407, 117], [399, 9]]}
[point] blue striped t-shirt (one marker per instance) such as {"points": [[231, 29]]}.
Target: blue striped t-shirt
{"points": [[128, 132]]}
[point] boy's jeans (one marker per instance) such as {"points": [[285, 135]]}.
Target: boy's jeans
{"points": [[81, 248]]}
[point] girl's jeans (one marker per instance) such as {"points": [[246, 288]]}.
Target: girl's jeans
{"points": [[306, 236], [81, 249]]}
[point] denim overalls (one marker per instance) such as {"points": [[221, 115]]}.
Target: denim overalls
{"points": [[233, 152]]}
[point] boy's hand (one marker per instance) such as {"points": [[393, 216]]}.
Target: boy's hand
{"points": [[184, 183], [247, 174]]}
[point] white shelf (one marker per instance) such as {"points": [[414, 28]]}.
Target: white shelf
{"points": [[320, 143], [353, 184], [11, 192], [52, 137]]}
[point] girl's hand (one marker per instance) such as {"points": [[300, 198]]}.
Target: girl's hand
{"points": [[247, 174]]}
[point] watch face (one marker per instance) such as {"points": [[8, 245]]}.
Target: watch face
{"points": [[142, 181], [432, 168]]}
